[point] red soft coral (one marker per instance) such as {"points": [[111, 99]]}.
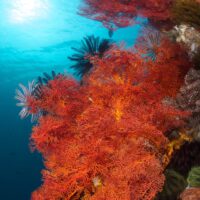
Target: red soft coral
{"points": [[122, 13], [105, 139]]}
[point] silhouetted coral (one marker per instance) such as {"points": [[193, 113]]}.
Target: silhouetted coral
{"points": [[90, 46]]}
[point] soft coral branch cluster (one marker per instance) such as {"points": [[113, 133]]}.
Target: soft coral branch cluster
{"points": [[105, 139], [122, 13], [161, 13]]}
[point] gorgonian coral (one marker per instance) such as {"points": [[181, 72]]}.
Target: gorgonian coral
{"points": [[90, 46], [105, 139], [122, 13]]}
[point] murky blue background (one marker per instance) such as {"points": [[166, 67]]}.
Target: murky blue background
{"points": [[35, 37]]}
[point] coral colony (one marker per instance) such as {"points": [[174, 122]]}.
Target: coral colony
{"points": [[129, 130]]}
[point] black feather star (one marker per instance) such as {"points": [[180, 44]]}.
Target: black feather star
{"points": [[42, 81], [90, 46], [46, 78]]}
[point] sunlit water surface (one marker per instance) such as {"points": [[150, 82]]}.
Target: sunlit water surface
{"points": [[36, 36]]}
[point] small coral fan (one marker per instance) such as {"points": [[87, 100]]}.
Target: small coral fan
{"points": [[105, 139], [121, 13], [91, 46]]}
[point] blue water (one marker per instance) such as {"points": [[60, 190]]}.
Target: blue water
{"points": [[36, 36]]}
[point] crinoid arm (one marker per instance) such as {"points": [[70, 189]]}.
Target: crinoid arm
{"points": [[90, 46], [23, 95]]}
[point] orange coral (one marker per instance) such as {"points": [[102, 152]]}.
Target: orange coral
{"points": [[105, 139]]}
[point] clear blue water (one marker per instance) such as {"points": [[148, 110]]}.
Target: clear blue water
{"points": [[36, 36]]}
